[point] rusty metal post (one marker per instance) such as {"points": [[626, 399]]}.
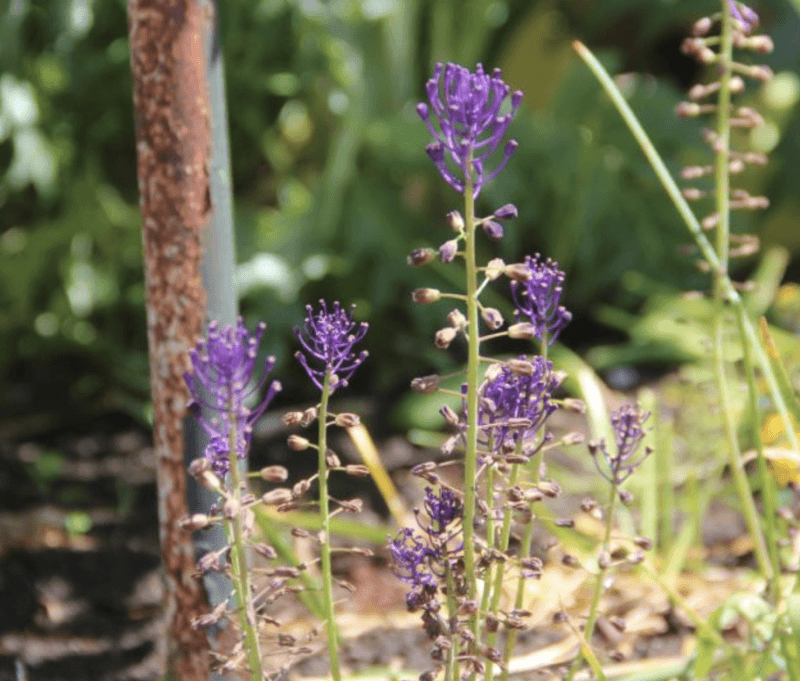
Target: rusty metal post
{"points": [[172, 139]]}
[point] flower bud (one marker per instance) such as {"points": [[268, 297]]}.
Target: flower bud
{"points": [[267, 551], [425, 296], [575, 405], [347, 420], [492, 229], [352, 505], [292, 418], [200, 470], [309, 416], [231, 508], [275, 497], [456, 221], [456, 319], [332, 459], [448, 250], [518, 271], [573, 438], [494, 320], [298, 443], [702, 26], [198, 521], [494, 268], [300, 488], [522, 330], [444, 337], [449, 415], [426, 384], [507, 212], [274, 474], [357, 470], [421, 256]]}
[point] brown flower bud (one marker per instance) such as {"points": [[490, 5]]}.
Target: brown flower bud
{"points": [[444, 337], [231, 508], [357, 470], [421, 256], [456, 319], [200, 469], [292, 418], [352, 505], [267, 551], [280, 495], [492, 317], [643, 543], [456, 221], [449, 415], [522, 330], [494, 268], [332, 459], [274, 474], [518, 272], [300, 488], [298, 443], [309, 416], [603, 560], [347, 420], [426, 384], [425, 296], [575, 405]]}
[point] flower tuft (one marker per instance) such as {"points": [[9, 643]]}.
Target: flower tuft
{"points": [[328, 337], [628, 424], [538, 298], [471, 127], [223, 366]]}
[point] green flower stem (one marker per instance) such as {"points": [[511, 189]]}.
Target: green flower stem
{"points": [[598, 585], [239, 573], [327, 577], [451, 671], [471, 449], [706, 249], [722, 185], [490, 534], [767, 483]]}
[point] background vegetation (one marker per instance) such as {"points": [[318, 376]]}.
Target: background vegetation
{"points": [[333, 187]]}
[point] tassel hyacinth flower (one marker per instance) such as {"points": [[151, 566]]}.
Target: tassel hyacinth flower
{"points": [[538, 298], [223, 366]]}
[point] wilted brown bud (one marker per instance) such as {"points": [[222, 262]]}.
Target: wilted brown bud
{"points": [[281, 495], [492, 317], [421, 256], [522, 330], [603, 560], [456, 319], [449, 415], [550, 488], [357, 470], [570, 561], [347, 420], [332, 459], [426, 384], [565, 522], [298, 443], [300, 533], [643, 543], [588, 505], [267, 551], [625, 497], [274, 474], [309, 416], [444, 337], [456, 221], [286, 640], [200, 469], [425, 296], [688, 110], [292, 418], [352, 505], [573, 438], [494, 268], [518, 271], [198, 521], [492, 623], [300, 488], [575, 405], [533, 494], [520, 366]]}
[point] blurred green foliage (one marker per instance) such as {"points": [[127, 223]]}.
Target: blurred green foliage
{"points": [[333, 186]]}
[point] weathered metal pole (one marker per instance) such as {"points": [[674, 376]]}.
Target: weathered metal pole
{"points": [[170, 99]]}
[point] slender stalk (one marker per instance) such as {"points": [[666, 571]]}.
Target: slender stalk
{"points": [[722, 187], [470, 454], [706, 249], [327, 577], [598, 585], [451, 671], [767, 483], [241, 577]]}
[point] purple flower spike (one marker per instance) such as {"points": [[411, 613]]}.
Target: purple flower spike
{"points": [[627, 422], [513, 406], [328, 338], [539, 298], [443, 509], [223, 366], [471, 127]]}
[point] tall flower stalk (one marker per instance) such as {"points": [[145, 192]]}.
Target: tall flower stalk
{"points": [[328, 337], [223, 366]]}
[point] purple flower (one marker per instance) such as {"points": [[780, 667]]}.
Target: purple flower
{"points": [[471, 127], [744, 14], [513, 406], [539, 298], [443, 510], [223, 366], [627, 422], [328, 338]]}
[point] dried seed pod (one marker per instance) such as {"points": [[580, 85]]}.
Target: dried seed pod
{"points": [[280, 495], [298, 443], [274, 474], [425, 296], [347, 420]]}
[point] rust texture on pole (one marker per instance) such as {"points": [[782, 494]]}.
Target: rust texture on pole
{"points": [[170, 100]]}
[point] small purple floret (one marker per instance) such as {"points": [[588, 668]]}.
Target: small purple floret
{"points": [[744, 14], [539, 298], [470, 126], [628, 424], [223, 366], [328, 337]]}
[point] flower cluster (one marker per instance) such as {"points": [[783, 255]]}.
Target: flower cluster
{"points": [[471, 126], [514, 404], [223, 366], [328, 337], [538, 298], [422, 560], [628, 424]]}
